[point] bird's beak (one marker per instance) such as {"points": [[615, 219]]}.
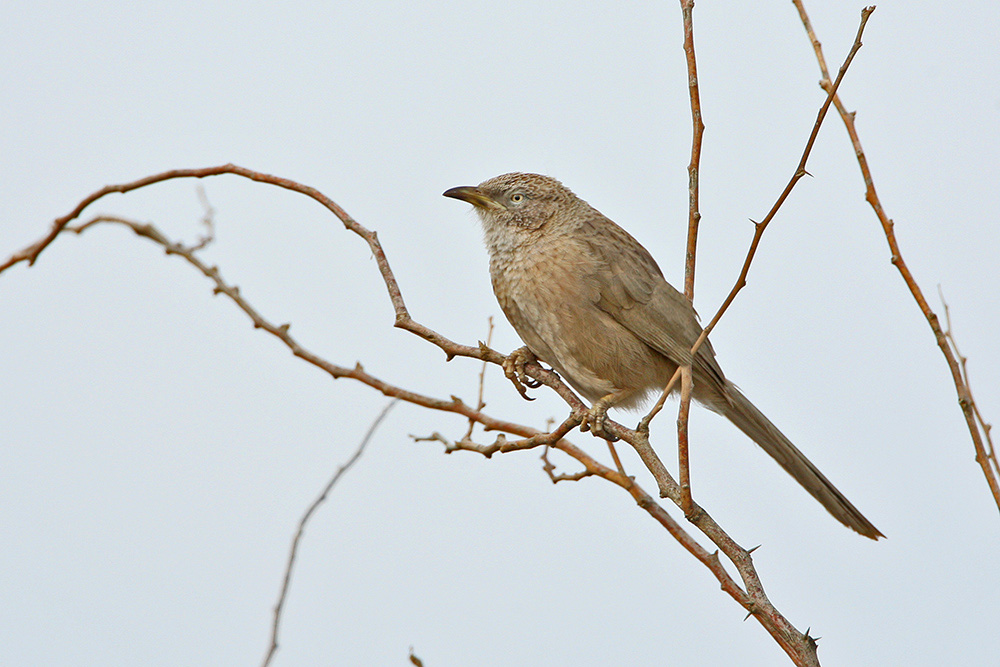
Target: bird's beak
{"points": [[474, 196]]}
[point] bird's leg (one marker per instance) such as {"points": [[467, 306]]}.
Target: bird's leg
{"points": [[513, 368]]}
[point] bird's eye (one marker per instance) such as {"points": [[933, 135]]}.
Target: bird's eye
{"points": [[516, 197]]}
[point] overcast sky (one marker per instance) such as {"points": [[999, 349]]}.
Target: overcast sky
{"points": [[156, 451]]}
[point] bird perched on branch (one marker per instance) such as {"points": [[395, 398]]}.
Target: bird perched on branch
{"points": [[589, 300]]}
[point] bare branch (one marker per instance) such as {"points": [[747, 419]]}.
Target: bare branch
{"points": [[800, 171], [987, 458], [550, 470], [286, 582], [694, 218], [978, 428], [751, 595], [403, 319], [614, 457], [683, 463], [281, 332], [208, 220], [697, 132], [759, 227]]}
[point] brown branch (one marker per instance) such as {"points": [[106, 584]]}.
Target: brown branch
{"points": [[753, 599], [978, 428], [614, 457], [759, 227], [800, 171], [683, 464], [690, 255], [800, 647], [989, 451], [454, 404], [287, 579], [550, 469], [697, 132]]}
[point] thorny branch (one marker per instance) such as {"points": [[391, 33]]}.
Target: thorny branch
{"points": [[801, 648], [750, 595], [978, 428], [690, 255], [987, 428], [760, 227]]}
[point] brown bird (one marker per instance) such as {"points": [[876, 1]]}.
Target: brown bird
{"points": [[589, 300]]}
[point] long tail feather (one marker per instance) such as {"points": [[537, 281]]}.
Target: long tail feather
{"points": [[739, 410]]}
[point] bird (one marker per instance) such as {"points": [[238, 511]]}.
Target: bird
{"points": [[589, 300]]}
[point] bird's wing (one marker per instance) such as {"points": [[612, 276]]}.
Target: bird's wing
{"points": [[629, 286]]}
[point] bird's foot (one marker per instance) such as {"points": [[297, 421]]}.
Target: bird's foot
{"points": [[594, 420], [513, 368]]}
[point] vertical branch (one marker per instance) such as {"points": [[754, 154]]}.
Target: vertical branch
{"points": [[697, 130], [482, 380], [694, 217], [682, 440], [978, 429]]}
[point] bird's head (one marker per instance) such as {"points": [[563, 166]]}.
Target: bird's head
{"points": [[516, 201]]}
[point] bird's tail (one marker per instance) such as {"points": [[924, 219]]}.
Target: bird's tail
{"points": [[739, 410]]}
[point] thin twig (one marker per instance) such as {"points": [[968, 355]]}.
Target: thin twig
{"points": [[482, 379], [614, 457], [208, 220], [550, 469], [978, 428], [991, 468], [287, 580]]}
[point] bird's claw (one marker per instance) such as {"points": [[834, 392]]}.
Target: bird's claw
{"points": [[513, 368], [593, 420]]}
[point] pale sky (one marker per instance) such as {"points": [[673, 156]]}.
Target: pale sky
{"points": [[156, 452]]}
